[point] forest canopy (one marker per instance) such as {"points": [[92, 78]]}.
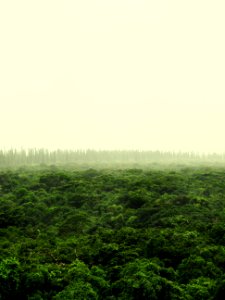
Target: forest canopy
{"points": [[112, 234]]}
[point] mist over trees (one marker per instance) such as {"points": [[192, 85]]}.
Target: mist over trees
{"points": [[13, 157], [124, 225]]}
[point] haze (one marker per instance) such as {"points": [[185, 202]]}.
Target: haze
{"points": [[119, 74]]}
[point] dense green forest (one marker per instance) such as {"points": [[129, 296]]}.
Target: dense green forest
{"points": [[112, 234]]}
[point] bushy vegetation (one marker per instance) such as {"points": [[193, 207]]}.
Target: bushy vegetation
{"points": [[112, 234]]}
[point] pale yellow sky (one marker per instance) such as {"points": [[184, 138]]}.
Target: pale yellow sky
{"points": [[113, 74]]}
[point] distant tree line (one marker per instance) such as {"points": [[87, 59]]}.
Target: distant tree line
{"points": [[13, 157]]}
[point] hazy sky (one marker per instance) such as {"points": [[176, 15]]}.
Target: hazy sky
{"points": [[113, 74]]}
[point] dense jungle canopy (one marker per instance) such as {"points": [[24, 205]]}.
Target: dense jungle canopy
{"points": [[112, 234]]}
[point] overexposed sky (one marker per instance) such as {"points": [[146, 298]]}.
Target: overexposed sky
{"points": [[113, 74]]}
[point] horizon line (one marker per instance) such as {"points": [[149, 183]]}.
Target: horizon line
{"points": [[46, 149]]}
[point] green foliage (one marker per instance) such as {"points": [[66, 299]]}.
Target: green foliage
{"points": [[112, 234], [201, 288], [10, 272], [141, 279]]}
